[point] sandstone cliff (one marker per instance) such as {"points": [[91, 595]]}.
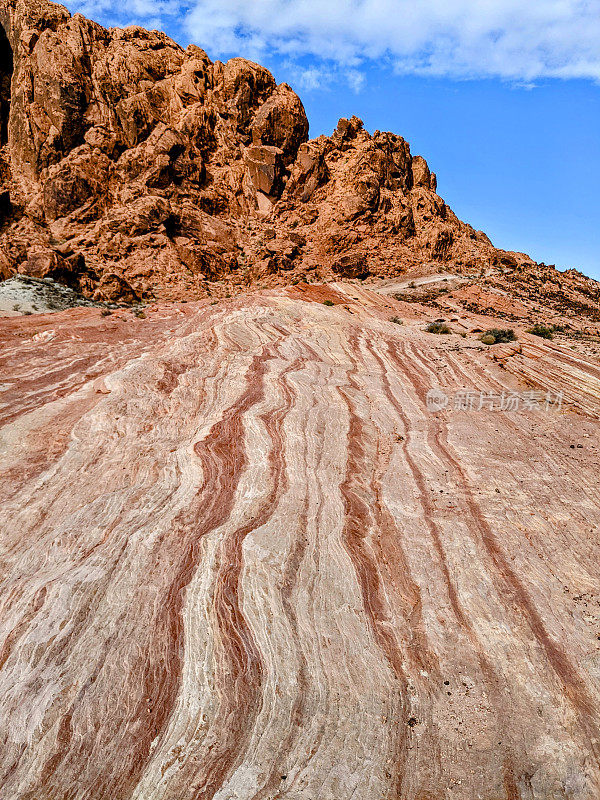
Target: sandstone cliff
{"points": [[131, 168]]}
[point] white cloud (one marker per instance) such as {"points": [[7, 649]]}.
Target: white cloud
{"points": [[355, 79], [323, 76], [310, 77], [153, 14], [517, 40]]}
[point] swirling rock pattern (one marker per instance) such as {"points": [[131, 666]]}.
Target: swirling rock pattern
{"points": [[241, 559]]}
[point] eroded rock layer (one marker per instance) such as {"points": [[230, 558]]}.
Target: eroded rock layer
{"points": [[241, 559]]}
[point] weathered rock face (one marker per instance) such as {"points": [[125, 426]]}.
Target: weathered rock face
{"points": [[6, 70], [100, 124], [108, 125], [265, 168]]}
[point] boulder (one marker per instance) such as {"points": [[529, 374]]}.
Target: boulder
{"points": [[309, 172], [139, 217], [80, 177], [351, 265], [285, 247], [6, 267], [281, 122], [265, 168], [242, 86], [43, 262], [115, 287], [420, 172], [347, 129]]}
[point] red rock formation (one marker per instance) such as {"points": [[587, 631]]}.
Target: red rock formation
{"points": [[125, 155]]}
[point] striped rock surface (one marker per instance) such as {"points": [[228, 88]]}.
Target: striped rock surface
{"points": [[240, 558]]}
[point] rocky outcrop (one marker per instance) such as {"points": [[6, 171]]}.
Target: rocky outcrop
{"points": [[99, 125], [114, 135]]}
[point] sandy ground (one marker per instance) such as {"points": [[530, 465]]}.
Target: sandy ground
{"points": [[21, 295], [441, 278]]}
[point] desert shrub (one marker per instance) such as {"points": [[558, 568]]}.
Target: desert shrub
{"points": [[328, 303], [544, 331], [396, 320], [498, 335], [438, 327], [106, 312]]}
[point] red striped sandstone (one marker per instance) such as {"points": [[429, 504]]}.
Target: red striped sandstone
{"points": [[240, 559]]}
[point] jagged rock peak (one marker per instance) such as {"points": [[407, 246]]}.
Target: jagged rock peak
{"points": [[131, 167]]}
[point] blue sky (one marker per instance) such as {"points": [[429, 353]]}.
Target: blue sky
{"points": [[501, 97]]}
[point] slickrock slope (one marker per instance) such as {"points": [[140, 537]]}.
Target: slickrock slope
{"points": [[131, 168], [241, 559]]}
